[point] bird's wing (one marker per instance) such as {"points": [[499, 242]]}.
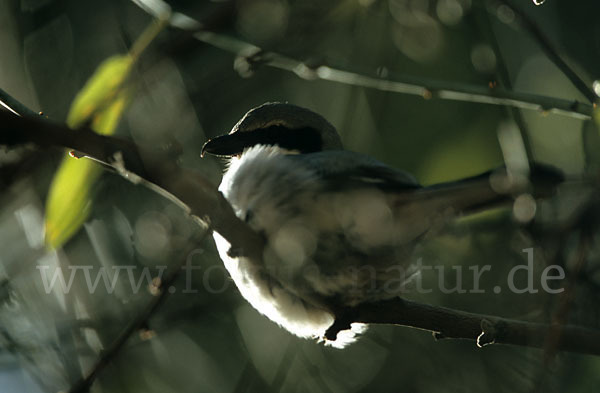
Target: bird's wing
{"points": [[345, 169]]}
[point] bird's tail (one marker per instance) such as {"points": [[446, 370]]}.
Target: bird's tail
{"points": [[480, 192]]}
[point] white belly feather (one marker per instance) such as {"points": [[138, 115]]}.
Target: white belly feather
{"points": [[258, 182]]}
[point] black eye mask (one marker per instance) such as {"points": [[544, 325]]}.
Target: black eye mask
{"points": [[305, 140]]}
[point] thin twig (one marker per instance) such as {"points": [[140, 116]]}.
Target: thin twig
{"points": [[65, 341], [565, 301], [424, 87], [566, 298], [249, 57], [528, 24], [152, 166], [292, 350], [137, 324], [14, 105], [505, 80]]}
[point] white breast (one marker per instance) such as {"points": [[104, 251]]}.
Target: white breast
{"points": [[261, 181]]}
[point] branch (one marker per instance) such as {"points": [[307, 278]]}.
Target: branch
{"points": [[566, 299], [153, 166], [424, 87], [204, 201], [249, 57], [447, 323], [136, 325], [432, 88], [504, 78], [13, 105], [527, 24]]}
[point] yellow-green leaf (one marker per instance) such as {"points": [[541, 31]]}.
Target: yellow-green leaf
{"points": [[100, 104], [100, 93], [69, 202]]}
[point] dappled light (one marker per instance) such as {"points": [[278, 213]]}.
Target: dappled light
{"points": [[178, 213]]}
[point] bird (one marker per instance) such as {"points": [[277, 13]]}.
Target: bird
{"points": [[339, 226]]}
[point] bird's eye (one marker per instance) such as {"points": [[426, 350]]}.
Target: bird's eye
{"points": [[249, 216]]}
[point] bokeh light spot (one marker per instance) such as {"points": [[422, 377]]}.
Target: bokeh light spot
{"points": [[483, 58]]}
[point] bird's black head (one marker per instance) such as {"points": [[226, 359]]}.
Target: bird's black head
{"points": [[285, 125]]}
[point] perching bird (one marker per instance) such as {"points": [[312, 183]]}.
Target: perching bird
{"points": [[339, 226]]}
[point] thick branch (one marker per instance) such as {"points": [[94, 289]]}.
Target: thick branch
{"points": [[198, 195], [150, 164], [484, 329], [24, 130]]}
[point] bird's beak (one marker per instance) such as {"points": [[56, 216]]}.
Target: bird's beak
{"points": [[223, 146]]}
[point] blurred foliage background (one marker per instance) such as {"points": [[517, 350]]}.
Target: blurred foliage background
{"points": [[205, 337]]}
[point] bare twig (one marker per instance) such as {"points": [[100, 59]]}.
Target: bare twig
{"points": [[65, 341], [427, 88], [566, 298], [137, 324], [13, 105], [249, 57], [447, 323], [529, 25], [505, 79]]}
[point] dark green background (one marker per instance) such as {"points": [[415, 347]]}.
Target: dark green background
{"points": [[189, 91]]}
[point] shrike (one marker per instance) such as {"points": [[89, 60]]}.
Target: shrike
{"points": [[339, 226]]}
